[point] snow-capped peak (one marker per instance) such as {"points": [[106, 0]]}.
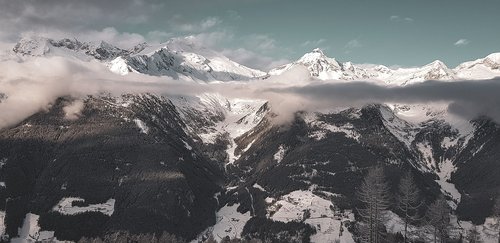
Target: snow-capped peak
{"points": [[317, 57], [34, 46], [437, 64], [322, 67], [185, 58], [178, 58], [42, 46], [318, 50]]}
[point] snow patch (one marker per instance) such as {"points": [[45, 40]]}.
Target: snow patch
{"points": [[325, 128], [187, 145], [278, 156], [2, 224], [401, 129], [31, 232], [259, 187], [330, 225], [141, 125], [446, 168], [65, 206], [229, 222]]}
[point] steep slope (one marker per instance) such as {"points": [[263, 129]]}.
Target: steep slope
{"points": [[131, 150], [323, 156], [183, 57]]}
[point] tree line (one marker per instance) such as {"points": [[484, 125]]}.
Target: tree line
{"points": [[376, 200]]}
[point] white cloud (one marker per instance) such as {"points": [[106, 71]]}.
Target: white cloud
{"points": [[462, 42], [206, 24], [313, 43], [397, 18], [354, 43], [252, 59], [210, 22], [212, 39], [73, 110], [159, 36], [112, 36], [261, 42], [233, 14]]}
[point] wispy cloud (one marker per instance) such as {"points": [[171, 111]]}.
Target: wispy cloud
{"points": [[261, 42], [204, 25], [397, 18], [313, 43], [252, 59], [352, 44], [233, 14], [462, 42]]}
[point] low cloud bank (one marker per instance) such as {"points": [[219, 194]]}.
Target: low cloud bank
{"points": [[31, 85]]}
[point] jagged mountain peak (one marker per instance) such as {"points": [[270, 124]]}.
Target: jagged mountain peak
{"points": [[437, 64], [34, 46], [43, 46], [181, 57], [316, 56], [184, 57]]}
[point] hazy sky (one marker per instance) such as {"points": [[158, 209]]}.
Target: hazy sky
{"points": [[266, 33]]}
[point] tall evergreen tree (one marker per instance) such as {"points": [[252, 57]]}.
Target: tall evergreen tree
{"points": [[374, 197], [438, 217], [408, 201]]}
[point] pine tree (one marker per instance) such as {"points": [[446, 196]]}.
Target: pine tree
{"points": [[408, 201], [438, 217], [374, 196]]}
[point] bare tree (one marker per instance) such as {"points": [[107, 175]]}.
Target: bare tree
{"points": [[408, 201], [438, 217], [374, 196]]}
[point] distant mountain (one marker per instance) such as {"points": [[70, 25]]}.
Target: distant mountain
{"points": [[325, 68], [177, 58]]}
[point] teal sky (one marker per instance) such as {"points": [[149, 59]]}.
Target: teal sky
{"points": [[390, 32], [429, 32]]}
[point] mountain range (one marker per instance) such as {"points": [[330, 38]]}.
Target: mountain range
{"points": [[213, 165]]}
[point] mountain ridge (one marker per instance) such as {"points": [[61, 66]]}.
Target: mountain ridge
{"points": [[182, 57]]}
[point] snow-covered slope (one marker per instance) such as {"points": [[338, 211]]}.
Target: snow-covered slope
{"points": [[177, 58], [484, 68]]}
